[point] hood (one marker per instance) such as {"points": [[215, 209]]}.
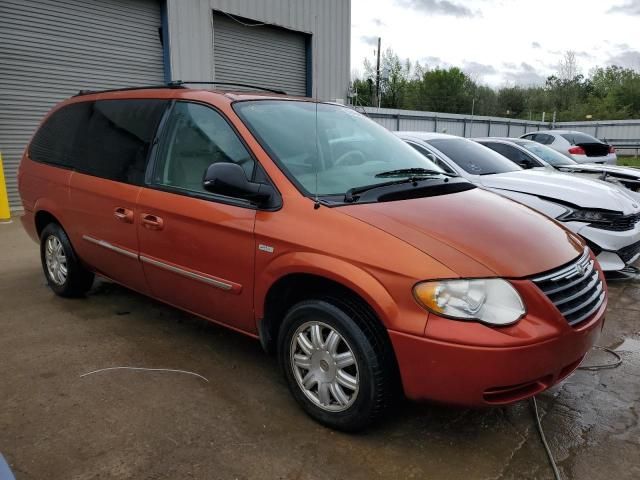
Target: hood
{"points": [[566, 188], [612, 169], [462, 230]]}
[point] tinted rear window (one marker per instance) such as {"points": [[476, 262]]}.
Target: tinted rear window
{"points": [[115, 142], [54, 140], [473, 157], [108, 138], [578, 138]]}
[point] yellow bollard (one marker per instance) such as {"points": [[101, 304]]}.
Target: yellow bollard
{"points": [[5, 213]]}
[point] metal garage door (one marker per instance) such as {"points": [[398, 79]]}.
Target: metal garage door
{"points": [[50, 49], [260, 55]]}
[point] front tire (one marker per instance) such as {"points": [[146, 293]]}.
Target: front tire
{"points": [[65, 275], [331, 365]]}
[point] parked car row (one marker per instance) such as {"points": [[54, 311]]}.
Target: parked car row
{"points": [[366, 265]]}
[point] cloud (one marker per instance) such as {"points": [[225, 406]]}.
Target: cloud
{"points": [[626, 58], [432, 62], [369, 40], [438, 7], [378, 23], [525, 75], [631, 7], [475, 68], [535, 45]]}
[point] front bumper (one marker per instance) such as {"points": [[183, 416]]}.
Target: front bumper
{"points": [[538, 352], [615, 250]]}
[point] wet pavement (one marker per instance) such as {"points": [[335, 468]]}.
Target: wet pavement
{"points": [[243, 423]]}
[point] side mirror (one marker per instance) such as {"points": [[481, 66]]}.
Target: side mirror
{"points": [[526, 163], [230, 180]]}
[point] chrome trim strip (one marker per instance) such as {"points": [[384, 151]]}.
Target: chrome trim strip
{"points": [[577, 308], [565, 272], [592, 283], [590, 312], [588, 273], [186, 273], [111, 247]]}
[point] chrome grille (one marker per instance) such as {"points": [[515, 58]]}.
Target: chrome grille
{"points": [[576, 290]]}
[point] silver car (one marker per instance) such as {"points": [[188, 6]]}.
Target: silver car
{"points": [[579, 146]]}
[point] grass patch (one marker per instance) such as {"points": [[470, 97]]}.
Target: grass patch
{"points": [[629, 161]]}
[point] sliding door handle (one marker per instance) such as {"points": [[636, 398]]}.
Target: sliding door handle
{"points": [[152, 222], [123, 214]]}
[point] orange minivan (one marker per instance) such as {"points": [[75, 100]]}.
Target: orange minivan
{"points": [[306, 225]]}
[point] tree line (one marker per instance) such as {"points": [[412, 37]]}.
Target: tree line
{"points": [[607, 93]]}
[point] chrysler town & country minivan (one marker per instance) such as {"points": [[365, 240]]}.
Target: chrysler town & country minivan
{"points": [[358, 261]]}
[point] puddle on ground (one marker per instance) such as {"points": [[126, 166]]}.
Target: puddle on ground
{"points": [[629, 345]]}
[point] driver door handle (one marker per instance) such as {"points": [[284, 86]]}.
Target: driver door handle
{"points": [[123, 214], [152, 222]]}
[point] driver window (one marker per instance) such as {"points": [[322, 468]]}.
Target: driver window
{"points": [[194, 137]]}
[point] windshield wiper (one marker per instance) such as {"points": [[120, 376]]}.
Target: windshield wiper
{"points": [[412, 172], [353, 193]]}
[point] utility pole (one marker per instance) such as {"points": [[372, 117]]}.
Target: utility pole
{"points": [[473, 108], [553, 121], [378, 74]]}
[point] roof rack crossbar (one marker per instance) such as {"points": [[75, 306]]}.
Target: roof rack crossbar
{"points": [[179, 83]]}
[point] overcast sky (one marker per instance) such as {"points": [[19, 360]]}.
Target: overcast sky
{"points": [[499, 41]]}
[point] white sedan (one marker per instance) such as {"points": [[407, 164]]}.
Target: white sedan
{"points": [[603, 214], [578, 146]]}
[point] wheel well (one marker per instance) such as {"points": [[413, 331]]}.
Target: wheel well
{"points": [[294, 288], [44, 218]]}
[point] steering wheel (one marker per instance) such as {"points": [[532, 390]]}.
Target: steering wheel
{"points": [[352, 157]]}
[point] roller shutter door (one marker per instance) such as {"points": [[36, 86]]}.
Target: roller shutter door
{"points": [[261, 55], [51, 49]]}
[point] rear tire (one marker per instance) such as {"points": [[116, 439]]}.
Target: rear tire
{"points": [[65, 275], [333, 364]]}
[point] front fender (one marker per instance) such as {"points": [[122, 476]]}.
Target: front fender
{"points": [[348, 275]]}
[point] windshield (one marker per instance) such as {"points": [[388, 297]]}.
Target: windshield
{"points": [[472, 157], [547, 154], [339, 151]]}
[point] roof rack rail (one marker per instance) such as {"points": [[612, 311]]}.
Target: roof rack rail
{"points": [[124, 89], [180, 83]]}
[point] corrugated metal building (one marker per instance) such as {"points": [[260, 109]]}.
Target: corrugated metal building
{"points": [[51, 49]]}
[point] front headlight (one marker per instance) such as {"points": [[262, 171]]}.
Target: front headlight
{"points": [[493, 301], [588, 216]]}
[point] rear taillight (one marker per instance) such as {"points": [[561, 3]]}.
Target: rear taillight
{"points": [[577, 151], [612, 149]]}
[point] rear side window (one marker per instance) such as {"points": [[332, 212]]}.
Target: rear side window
{"points": [[512, 153], [115, 143], [544, 139], [577, 138], [108, 138], [53, 143]]}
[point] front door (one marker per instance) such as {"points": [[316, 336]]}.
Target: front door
{"points": [[197, 249]]}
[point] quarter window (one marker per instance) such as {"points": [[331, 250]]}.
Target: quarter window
{"points": [[195, 136], [53, 143]]}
